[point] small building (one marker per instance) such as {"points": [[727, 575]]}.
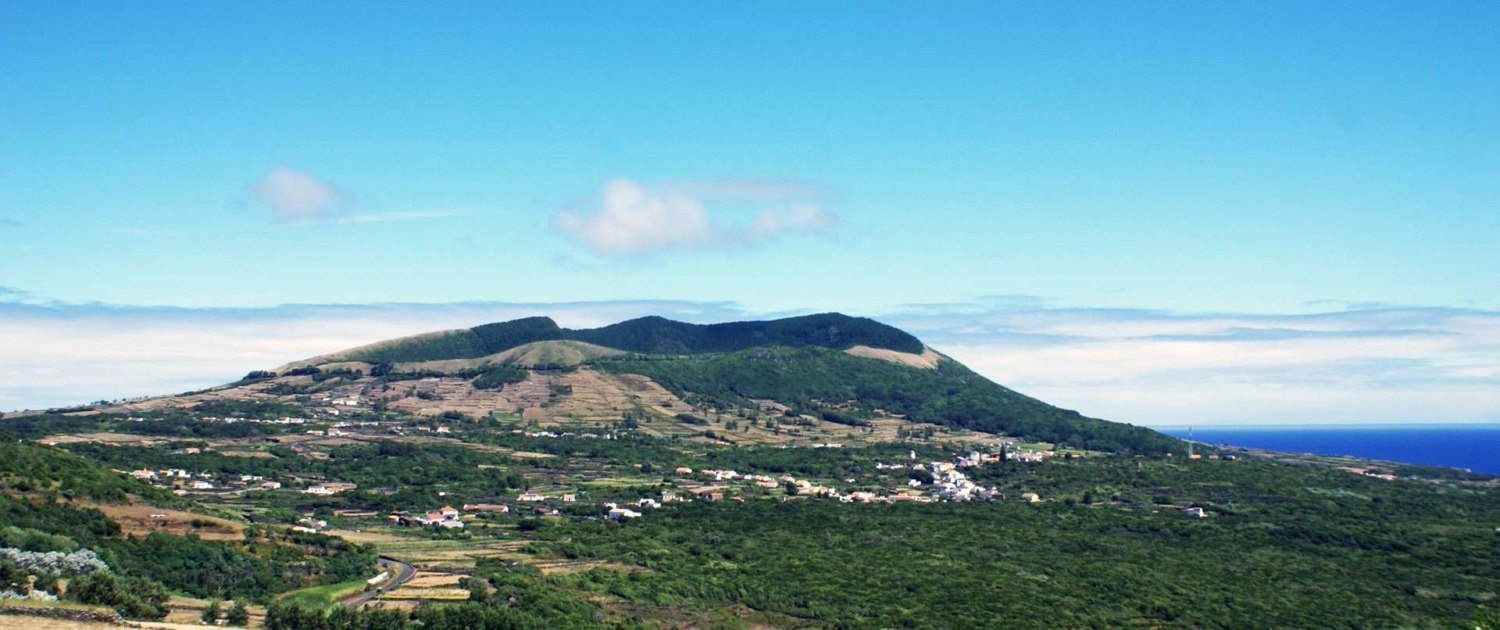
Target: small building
{"points": [[529, 496], [569, 498], [1195, 511], [620, 514], [448, 511], [1030, 497], [684, 470]]}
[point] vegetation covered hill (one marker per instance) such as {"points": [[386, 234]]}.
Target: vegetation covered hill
{"points": [[50, 503], [827, 368], [655, 335], [846, 388]]}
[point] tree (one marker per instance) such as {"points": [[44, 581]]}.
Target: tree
{"points": [[210, 615], [238, 614], [1486, 619]]}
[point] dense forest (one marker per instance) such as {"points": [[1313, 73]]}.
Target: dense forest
{"points": [[1317, 559]]}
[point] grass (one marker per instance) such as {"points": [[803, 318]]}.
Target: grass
{"points": [[324, 596], [36, 603]]}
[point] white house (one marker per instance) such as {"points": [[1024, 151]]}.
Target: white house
{"points": [[618, 514]]}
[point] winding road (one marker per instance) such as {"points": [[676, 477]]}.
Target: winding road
{"points": [[401, 573]]}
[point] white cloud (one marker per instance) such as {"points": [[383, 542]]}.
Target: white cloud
{"points": [[297, 196], [634, 219], [1163, 368]]}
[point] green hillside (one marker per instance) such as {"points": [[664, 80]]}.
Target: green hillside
{"points": [[42, 490], [844, 388], [655, 335]]}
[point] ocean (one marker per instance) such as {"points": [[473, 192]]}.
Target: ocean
{"points": [[1475, 447]]}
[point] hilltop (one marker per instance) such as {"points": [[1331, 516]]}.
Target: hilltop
{"points": [[815, 378], [654, 335]]}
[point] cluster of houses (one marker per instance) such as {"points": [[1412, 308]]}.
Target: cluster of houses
{"points": [[328, 489], [183, 482], [446, 517], [550, 434], [953, 485], [949, 482], [310, 525], [234, 420], [1366, 472]]}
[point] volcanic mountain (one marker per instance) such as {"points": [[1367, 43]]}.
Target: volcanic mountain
{"points": [[827, 377]]}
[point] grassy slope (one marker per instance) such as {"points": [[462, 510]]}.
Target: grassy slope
{"points": [[950, 395]]}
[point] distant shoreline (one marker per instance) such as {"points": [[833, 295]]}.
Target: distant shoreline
{"points": [[1463, 447]]}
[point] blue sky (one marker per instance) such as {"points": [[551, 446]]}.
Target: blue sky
{"points": [[1256, 162]]}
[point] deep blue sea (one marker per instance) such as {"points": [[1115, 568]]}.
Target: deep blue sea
{"points": [[1476, 447]]}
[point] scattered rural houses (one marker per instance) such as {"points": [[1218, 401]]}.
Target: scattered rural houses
{"points": [[328, 489]]}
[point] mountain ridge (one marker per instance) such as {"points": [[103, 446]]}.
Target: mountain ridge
{"points": [[829, 368], [650, 335]]}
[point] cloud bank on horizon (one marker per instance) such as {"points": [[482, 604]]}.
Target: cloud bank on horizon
{"points": [[1158, 368]]}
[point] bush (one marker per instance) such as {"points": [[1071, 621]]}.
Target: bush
{"points": [[136, 598]]}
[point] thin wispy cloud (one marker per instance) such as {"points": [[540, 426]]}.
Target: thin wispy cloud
{"points": [[10, 223], [414, 215], [9, 294], [299, 199], [638, 220]]}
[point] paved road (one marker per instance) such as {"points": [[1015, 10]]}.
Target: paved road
{"points": [[401, 573]]}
